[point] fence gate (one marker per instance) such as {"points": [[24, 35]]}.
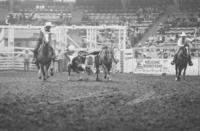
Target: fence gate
{"points": [[14, 40]]}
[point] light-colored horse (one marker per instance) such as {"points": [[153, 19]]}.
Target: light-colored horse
{"points": [[105, 59]]}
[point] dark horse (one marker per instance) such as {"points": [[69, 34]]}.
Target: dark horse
{"points": [[104, 58], [181, 62], [44, 59]]}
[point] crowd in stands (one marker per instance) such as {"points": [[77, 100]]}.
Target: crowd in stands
{"points": [[138, 18], [168, 32], [168, 35]]}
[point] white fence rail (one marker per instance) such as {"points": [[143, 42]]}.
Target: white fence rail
{"points": [[13, 61]]}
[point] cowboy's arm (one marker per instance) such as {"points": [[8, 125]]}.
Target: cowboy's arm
{"points": [[194, 37], [190, 39], [38, 42]]}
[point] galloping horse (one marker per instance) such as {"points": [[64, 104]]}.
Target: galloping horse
{"points": [[181, 62], [104, 58], [44, 59]]}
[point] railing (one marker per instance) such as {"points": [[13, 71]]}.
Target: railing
{"points": [[13, 61], [161, 52]]}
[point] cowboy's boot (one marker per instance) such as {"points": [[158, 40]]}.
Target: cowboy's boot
{"points": [[34, 61], [190, 60], [54, 56], [174, 59]]}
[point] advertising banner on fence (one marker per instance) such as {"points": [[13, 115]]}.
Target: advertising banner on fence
{"points": [[160, 66], [152, 66]]}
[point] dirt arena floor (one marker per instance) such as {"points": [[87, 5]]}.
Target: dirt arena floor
{"points": [[127, 103]]}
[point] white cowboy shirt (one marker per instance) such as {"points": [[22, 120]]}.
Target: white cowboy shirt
{"points": [[47, 35], [187, 41]]}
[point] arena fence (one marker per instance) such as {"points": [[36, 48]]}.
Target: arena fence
{"points": [[13, 39], [14, 61], [154, 60]]}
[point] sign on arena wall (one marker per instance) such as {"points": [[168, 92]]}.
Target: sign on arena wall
{"points": [[152, 66], [159, 66]]}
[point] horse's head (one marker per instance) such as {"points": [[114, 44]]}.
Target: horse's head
{"points": [[182, 57], [183, 52], [108, 54]]}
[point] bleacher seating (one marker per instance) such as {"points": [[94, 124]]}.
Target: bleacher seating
{"points": [[169, 31], [138, 17]]}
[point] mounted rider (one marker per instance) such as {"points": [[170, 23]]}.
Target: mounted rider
{"points": [[44, 36], [184, 41]]}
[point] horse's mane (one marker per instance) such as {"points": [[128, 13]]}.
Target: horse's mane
{"points": [[182, 52]]}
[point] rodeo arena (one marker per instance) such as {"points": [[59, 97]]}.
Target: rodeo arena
{"points": [[99, 65]]}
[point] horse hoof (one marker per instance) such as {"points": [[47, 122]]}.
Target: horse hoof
{"points": [[68, 78], [52, 72], [177, 79], [39, 77]]}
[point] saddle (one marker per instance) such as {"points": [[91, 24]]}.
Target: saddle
{"points": [[184, 48]]}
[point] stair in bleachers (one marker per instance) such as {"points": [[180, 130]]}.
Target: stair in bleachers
{"points": [[162, 19], [3, 13], [74, 34], [76, 16]]}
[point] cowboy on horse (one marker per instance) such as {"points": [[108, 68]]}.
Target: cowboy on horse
{"points": [[44, 36], [183, 42]]}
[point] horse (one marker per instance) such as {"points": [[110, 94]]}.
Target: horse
{"points": [[104, 58], [181, 62], [44, 60], [78, 64]]}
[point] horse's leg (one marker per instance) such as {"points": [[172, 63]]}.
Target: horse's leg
{"points": [[184, 72], [109, 68], [47, 70], [52, 64], [97, 67], [43, 72], [105, 71], [79, 75], [176, 71], [179, 73], [69, 71], [97, 72], [39, 72]]}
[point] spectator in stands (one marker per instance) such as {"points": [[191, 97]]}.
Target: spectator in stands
{"points": [[184, 41], [27, 58]]}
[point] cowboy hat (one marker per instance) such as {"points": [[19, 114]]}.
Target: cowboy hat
{"points": [[183, 34], [48, 24]]}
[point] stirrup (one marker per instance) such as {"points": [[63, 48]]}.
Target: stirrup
{"points": [[34, 61], [172, 63], [190, 64]]}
